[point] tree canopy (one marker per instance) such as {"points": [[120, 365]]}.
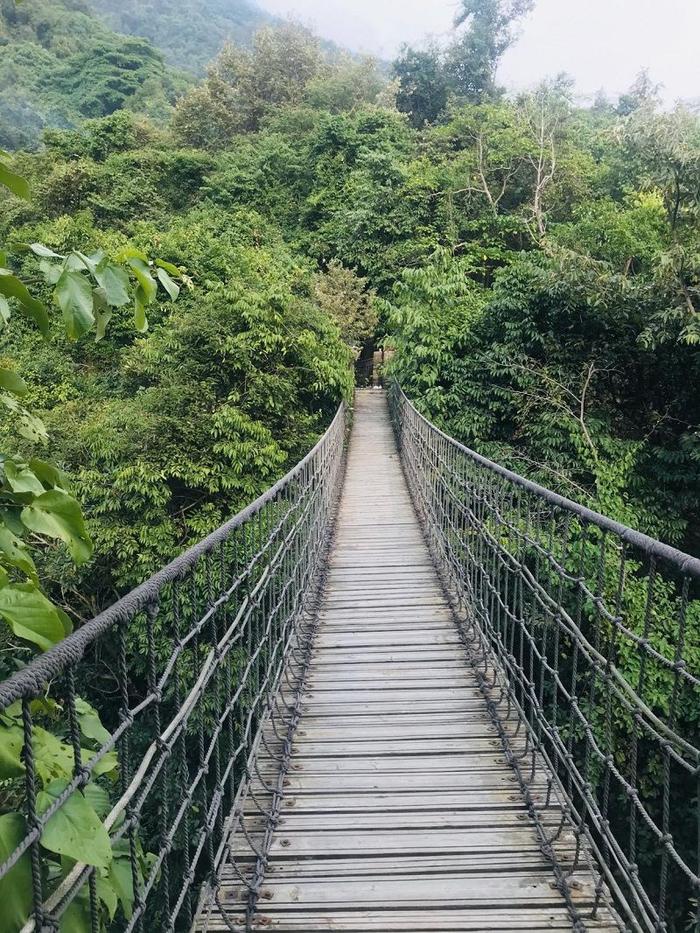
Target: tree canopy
{"points": [[60, 65]]}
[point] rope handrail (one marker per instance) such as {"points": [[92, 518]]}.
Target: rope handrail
{"points": [[685, 563], [585, 636], [152, 712], [31, 679]]}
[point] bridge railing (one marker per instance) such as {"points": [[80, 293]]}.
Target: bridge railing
{"points": [[153, 708], [586, 638]]}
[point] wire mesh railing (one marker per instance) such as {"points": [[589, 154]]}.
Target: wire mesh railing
{"points": [[156, 706], [585, 636]]}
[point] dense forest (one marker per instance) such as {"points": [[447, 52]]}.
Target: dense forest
{"points": [[64, 61], [534, 263], [189, 33], [60, 65]]}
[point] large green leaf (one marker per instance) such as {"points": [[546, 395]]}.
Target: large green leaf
{"points": [[13, 382], [140, 319], [142, 271], [120, 876], [114, 280], [15, 552], [21, 479], [9, 515], [76, 917], [74, 297], [53, 758], [171, 287], [18, 186], [44, 252], [12, 287], [75, 830], [58, 515], [168, 266], [131, 252], [103, 312], [49, 473], [11, 742], [98, 798], [28, 425], [90, 722], [30, 615], [108, 764], [108, 896], [51, 271], [78, 260], [16, 886], [5, 311]]}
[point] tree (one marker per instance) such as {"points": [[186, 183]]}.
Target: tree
{"points": [[473, 58], [344, 83], [243, 85], [88, 289], [665, 149], [344, 297], [59, 64], [543, 114], [500, 149], [643, 93], [423, 85]]}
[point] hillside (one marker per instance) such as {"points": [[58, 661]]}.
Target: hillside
{"points": [[190, 32], [60, 64]]}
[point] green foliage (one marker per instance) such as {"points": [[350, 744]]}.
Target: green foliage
{"points": [[190, 33], [432, 313], [75, 829], [76, 833], [15, 183], [423, 85], [16, 886], [59, 64], [232, 385], [243, 85], [34, 497], [473, 58], [629, 235], [344, 83], [343, 296], [463, 71], [555, 381]]}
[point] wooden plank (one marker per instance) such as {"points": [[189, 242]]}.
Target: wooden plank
{"points": [[512, 890], [412, 921], [336, 802], [449, 864]]}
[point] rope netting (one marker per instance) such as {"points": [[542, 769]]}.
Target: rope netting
{"points": [[585, 636], [159, 704]]}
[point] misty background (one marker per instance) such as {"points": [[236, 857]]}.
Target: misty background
{"points": [[600, 43]]}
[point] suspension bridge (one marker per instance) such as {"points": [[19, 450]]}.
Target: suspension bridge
{"points": [[405, 690]]}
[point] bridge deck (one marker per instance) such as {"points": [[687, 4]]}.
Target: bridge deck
{"points": [[400, 812]]}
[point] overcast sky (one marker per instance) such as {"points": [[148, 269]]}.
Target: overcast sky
{"points": [[601, 43]]}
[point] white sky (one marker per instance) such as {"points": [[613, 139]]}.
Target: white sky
{"points": [[601, 43]]}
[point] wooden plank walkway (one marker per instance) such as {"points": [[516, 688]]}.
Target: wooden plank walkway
{"points": [[400, 812]]}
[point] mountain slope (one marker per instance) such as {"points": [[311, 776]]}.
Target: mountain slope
{"points": [[59, 64], [188, 32]]}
